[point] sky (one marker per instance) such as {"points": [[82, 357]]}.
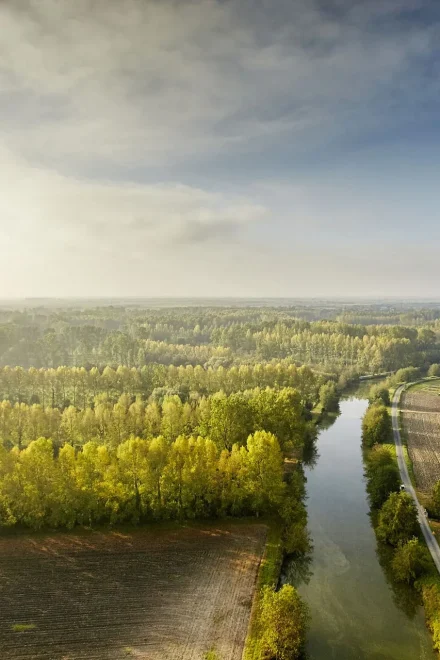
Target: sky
{"points": [[219, 148]]}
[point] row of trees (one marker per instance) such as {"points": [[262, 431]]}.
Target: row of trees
{"points": [[143, 480], [397, 523], [78, 386], [225, 419], [398, 527]]}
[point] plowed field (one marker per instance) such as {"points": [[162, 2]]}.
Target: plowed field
{"points": [[421, 420], [156, 595]]}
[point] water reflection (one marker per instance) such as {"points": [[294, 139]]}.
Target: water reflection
{"points": [[405, 597], [298, 569]]}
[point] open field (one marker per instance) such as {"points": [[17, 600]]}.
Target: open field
{"points": [[421, 422], [152, 594]]}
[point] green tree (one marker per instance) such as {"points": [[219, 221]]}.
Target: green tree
{"points": [[397, 519], [434, 370], [384, 480], [156, 461], [379, 394], [230, 421], [329, 397], [407, 375], [411, 560], [376, 426], [280, 412], [263, 467], [172, 417], [285, 620], [132, 468], [435, 500]]}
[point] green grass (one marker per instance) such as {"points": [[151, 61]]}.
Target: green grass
{"points": [[23, 627], [268, 576], [431, 385], [211, 655]]}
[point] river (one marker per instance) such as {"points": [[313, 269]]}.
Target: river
{"points": [[357, 611]]}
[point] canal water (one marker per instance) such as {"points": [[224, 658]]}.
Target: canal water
{"points": [[357, 611]]}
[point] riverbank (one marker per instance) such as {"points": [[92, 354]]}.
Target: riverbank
{"points": [[286, 536]]}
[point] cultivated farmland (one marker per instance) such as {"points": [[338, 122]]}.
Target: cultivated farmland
{"points": [[146, 594], [421, 421]]}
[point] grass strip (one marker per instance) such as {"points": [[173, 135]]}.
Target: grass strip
{"points": [[268, 576], [23, 627]]}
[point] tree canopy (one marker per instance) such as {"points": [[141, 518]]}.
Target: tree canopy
{"points": [[376, 425], [286, 620], [397, 519]]}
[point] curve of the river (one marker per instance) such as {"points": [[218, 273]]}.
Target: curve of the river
{"points": [[358, 613]]}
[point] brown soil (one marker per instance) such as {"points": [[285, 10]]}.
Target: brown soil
{"points": [[421, 420], [155, 594]]}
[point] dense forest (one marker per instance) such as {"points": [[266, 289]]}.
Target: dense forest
{"points": [[144, 480], [352, 340], [123, 413]]}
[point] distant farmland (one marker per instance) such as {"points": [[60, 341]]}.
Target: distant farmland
{"points": [[421, 421], [156, 595]]}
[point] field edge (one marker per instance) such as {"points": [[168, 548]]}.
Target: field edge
{"points": [[268, 575]]}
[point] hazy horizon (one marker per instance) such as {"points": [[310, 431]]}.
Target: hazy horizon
{"points": [[212, 149]]}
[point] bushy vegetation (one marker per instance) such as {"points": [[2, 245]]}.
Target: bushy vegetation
{"points": [[434, 504], [397, 519], [431, 601], [286, 619], [407, 375], [329, 397], [411, 560], [379, 394], [376, 426], [383, 476]]}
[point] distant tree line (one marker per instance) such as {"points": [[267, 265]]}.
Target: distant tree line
{"points": [[210, 338]]}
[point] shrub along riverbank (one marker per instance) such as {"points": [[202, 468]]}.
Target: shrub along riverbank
{"points": [[395, 515], [279, 618]]}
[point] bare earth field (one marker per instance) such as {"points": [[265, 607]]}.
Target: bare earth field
{"points": [[151, 594], [421, 420]]}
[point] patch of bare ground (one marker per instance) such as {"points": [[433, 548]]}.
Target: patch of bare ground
{"points": [[150, 594], [421, 421]]}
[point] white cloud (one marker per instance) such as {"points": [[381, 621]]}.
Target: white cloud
{"points": [[92, 94], [107, 216]]}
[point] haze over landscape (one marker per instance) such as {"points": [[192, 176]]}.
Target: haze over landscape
{"points": [[213, 148], [219, 330]]}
